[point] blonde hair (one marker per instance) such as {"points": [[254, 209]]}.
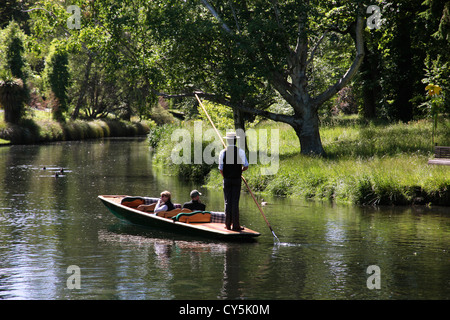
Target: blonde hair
{"points": [[166, 193]]}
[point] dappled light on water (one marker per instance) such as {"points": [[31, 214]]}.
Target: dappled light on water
{"points": [[318, 250]]}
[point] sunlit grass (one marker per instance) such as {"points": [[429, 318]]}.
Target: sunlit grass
{"points": [[365, 164]]}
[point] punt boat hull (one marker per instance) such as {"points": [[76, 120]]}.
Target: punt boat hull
{"points": [[205, 229]]}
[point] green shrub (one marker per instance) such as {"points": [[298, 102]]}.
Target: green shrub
{"points": [[31, 131], [160, 138]]}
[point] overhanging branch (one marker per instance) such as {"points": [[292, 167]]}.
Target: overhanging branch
{"points": [[217, 16], [226, 102], [344, 80]]}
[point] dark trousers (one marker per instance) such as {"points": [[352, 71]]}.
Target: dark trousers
{"points": [[232, 193]]}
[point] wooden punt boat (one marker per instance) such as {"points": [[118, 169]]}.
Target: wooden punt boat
{"points": [[205, 224]]}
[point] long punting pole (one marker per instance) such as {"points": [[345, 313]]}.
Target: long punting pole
{"points": [[243, 179]]}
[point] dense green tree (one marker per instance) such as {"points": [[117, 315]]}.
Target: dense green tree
{"points": [[397, 54], [243, 54], [437, 61], [13, 91], [181, 46], [268, 44], [57, 76], [12, 99], [210, 66], [111, 53], [12, 42], [14, 10]]}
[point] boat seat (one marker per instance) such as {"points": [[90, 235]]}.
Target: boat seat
{"points": [[193, 217], [172, 213], [134, 202]]}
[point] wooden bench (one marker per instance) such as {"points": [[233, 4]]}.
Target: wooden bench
{"points": [[441, 156]]}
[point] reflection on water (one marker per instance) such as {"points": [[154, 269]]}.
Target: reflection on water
{"points": [[50, 219]]}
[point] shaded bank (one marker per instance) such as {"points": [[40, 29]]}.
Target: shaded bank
{"points": [[30, 131]]}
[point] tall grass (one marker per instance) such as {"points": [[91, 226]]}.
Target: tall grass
{"points": [[38, 130], [369, 164], [376, 181]]}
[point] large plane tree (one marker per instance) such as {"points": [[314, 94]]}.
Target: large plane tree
{"points": [[258, 46], [239, 53]]}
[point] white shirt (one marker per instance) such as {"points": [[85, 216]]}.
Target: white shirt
{"points": [[160, 207], [242, 157]]}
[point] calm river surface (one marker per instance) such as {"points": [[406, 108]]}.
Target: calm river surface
{"points": [[48, 224]]}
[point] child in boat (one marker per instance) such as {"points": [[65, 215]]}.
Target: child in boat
{"points": [[164, 204]]}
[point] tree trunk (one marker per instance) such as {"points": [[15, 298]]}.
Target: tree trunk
{"points": [[239, 122], [83, 89], [404, 82], [308, 134], [370, 87]]}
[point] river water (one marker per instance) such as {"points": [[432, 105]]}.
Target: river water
{"points": [[50, 225]]}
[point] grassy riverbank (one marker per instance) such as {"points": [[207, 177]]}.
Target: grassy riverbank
{"points": [[41, 129], [366, 163]]}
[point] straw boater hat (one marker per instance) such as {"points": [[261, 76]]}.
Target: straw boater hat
{"points": [[231, 136]]}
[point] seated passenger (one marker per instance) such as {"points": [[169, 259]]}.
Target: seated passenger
{"points": [[195, 204], [164, 204]]}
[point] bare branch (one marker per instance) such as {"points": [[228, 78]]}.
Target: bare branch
{"points": [[277, 14], [266, 114], [191, 94], [301, 43], [311, 57], [217, 16], [235, 16], [342, 82], [226, 102], [49, 12]]}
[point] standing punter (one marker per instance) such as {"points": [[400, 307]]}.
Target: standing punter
{"points": [[232, 162]]}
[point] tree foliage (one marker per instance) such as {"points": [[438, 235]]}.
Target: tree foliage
{"points": [[13, 89], [57, 76], [241, 53], [247, 55]]}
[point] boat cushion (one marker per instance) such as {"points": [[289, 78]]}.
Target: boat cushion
{"points": [[134, 202], [217, 217], [193, 217], [171, 213]]}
